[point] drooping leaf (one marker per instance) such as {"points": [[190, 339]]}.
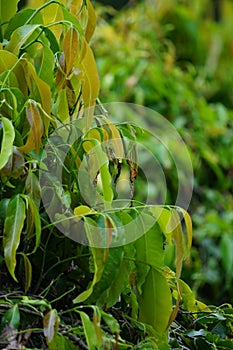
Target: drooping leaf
{"points": [[50, 324], [177, 236], [89, 330], [98, 258], [27, 271], [47, 65], [7, 141], [149, 252], [90, 88], [155, 302], [110, 271], [70, 48], [33, 221], [32, 187], [36, 130], [118, 285], [13, 225], [91, 22], [188, 224], [98, 162], [40, 90]]}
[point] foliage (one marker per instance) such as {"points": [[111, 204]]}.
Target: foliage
{"points": [[178, 61], [49, 79]]}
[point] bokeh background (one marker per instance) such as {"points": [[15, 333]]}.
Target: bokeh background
{"points": [[176, 57]]}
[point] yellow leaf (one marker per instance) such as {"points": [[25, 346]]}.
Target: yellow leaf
{"points": [[36, 131], [43, 88], [188, 224], [82, 210], [75, 6], [91, 22], [90, 87], [177, 236], [70, 48], [115, 138]]}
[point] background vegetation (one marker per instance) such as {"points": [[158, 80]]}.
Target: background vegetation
{"points": [[59, 294], [178, 60]]}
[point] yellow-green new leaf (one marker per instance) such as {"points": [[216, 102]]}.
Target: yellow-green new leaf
{"points": [[91, 84], [7, 141], [36, 131], [70, 48], [91, 23], [13, 225]]}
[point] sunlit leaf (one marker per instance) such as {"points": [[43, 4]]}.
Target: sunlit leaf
{"points": [[82, 210], [47, 65], [20, 36], [91, 22], [7, 10], [70, 48], [7, 141], [40, 89], [90, 89]]}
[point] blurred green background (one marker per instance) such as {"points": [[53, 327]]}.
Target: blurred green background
{"points": [[176, 57]]}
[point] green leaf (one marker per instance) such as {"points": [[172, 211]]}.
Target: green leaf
{"points": [[149, 252], [119, 284], [11, 317], [33, 189], [19, 19], [155, 302], [89, 330], [14, 222], [20, 36], [7, 141], [61, 342], [47, 65], [33, 221], [7, 9], [109, 274], [98, 257], [111, 322], [28, 272]]}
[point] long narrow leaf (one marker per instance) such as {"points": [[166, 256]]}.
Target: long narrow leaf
{"points": [[7, 141], [155, 302], [13, 225]]}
